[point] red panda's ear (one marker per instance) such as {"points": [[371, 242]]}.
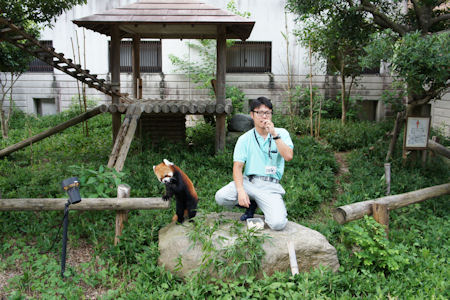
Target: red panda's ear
{"points": [[167, 163], [154, 168]]}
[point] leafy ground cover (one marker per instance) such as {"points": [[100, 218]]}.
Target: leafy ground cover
{"points": [[413, 263]]}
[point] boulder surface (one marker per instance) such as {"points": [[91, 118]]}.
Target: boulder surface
{"points": [[240, 123], [311, 247]]}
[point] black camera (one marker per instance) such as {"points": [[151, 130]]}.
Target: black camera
{"points": [[71, 186]]}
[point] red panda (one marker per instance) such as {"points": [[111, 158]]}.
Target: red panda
{"points": [[178, 184]]}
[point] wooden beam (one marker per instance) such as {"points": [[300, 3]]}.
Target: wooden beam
{"points": [[351, 212], [115, 76], [137, 86], [128, 138], [37, 204], [74, 121], [120, 136], [220, 86], [438, 148]]}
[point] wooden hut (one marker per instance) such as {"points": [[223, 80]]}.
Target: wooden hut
{"points": [[169, 19]]}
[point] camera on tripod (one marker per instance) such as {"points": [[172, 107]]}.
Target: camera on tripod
{"points": [[71, 186]]}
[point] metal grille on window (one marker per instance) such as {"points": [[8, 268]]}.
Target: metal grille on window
{"points": [[249, 57], [38, 65], [150, 56]]}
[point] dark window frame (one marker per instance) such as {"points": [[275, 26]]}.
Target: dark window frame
{"points": [[126, 59], [243, 52], [39, 66]]}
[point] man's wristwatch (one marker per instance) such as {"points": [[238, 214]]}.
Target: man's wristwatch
{"points": [[276, 137]]}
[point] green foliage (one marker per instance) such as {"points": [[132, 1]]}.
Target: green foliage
{"points": [[403, 39], [237, 97], [98, 269], [329, 108], [372, 250], [38, 11], [418, 62], [101, 183], [353, 134], [225, 259]]}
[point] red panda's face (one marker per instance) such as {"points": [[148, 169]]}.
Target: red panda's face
{"points": [[164, 171]]}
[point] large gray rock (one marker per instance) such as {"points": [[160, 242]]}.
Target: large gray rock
{"points": [[311, 248], [240, 123]]}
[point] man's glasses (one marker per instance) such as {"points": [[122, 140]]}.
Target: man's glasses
{"points": [[261, 113]]}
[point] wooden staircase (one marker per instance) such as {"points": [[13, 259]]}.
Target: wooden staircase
{"points": [[17, 36], [20, 38]]}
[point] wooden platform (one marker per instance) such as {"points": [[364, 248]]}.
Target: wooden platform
{"points": [[162, 119], [185, 107]]}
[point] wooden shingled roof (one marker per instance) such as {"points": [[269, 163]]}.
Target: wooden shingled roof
{"points": [[167, 19]]}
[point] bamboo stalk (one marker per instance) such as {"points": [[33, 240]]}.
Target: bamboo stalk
{"points": [[310, 91]]}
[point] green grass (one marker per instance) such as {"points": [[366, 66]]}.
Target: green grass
{"points": [[415, 258]]}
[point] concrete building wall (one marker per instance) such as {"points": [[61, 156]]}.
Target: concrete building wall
{"points": [[270, 25]]}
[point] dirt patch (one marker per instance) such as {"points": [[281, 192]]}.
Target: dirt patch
{"points": [[341, 159], [83, 253]]}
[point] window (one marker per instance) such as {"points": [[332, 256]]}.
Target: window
{"points": [[150, 56], [45, 106], [38, 65], [249, 57]]}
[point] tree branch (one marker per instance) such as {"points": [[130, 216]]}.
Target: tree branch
{"points": [[382, 19], [439, 19]]}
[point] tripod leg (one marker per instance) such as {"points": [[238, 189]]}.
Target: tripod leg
{"points": [[64, 241]]}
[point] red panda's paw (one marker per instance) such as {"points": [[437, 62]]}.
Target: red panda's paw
{"points": [[165, 198]]}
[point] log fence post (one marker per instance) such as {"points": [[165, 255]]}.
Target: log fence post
{"points": [[123, 191], [380, 213]]}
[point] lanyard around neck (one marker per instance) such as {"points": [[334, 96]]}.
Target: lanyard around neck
{"points": [[270, 144]]}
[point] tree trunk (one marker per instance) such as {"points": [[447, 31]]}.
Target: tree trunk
{"points": [[344, 106], [4, 124], [396, 131]]}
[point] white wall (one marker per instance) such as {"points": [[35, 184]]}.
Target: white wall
{"points": [[269, 16]]}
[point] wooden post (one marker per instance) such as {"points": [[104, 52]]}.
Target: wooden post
{"points": [[387, 174], [220, 84], [137, 90], [380, 213], [123, 191], [115, 76], [292, 258]]}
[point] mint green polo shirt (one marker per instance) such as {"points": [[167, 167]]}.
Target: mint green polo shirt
{"points": [[256, 156]]}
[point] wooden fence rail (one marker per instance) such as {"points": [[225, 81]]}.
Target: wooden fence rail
{"points": [[36, 204], [354, 211]]}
